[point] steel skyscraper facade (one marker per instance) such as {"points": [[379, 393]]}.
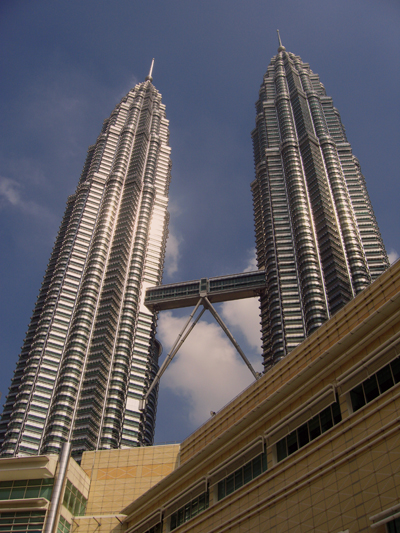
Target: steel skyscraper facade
{"points": [[90, 351], [316, 232]]}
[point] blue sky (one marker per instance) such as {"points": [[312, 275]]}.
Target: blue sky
{"points": [[64, 66]]}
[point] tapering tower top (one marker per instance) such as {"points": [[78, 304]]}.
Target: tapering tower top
{"points": [[281, 47], [149, 77]]}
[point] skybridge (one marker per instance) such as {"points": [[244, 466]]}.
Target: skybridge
{"points": [[219, 289], [203, 292]]}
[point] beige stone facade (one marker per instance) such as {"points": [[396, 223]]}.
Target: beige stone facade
{"points": [[117, 477], [347, 478]]}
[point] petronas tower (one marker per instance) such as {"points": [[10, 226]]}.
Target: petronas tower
{"points": [[316, 234], [90, 352]]}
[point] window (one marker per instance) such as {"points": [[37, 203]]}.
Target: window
{"points": [[155, 529], [190, 510], [375, 385], [63, 526], [393, 526], [23, 522], [242, 475], [308, 431], [74, 501], [21, 489]]}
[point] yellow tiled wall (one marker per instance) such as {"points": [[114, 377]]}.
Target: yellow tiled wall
{"points": [[117, 477]]}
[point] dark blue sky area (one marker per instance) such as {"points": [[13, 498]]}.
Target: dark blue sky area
{"points": [[65, 65]]}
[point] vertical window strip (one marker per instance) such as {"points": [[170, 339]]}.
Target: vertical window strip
{"points": [[73, 500], [63, 526]]}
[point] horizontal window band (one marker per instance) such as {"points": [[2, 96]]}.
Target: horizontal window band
{"points": [[385, 516], [370, 365], [186, 496], [239, 459], [301, 415], [146, 524]]}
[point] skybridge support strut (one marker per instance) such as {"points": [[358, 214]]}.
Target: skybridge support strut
{"points": [[214, 313], [183, 335]]}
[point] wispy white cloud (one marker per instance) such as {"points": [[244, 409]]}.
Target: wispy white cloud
{"points": [[245, 316], [393, 256], [207, 372], [172, 254], [9, 191], [11, 194], [252, 264]]}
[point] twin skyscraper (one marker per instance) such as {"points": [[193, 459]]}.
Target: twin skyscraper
{"points": [[90, 353]]}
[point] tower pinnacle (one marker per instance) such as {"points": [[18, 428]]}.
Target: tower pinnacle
{"points": [[281, 47], [149, 77]]}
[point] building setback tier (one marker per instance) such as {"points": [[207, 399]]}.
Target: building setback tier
{"points": [[90, 352], [316, 233]]}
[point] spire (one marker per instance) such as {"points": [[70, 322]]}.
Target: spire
{"points": [[281, 47], [149, 77]]}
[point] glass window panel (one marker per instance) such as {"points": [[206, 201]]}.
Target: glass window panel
{"points": [[17, 493], [83, 506], [371, 388], [385, 379], [357, 398], [256, 463], [292, 445], [302, 435], [187, 512], [173, 522], [314, 427], [247, 473], [36, 482], [66, 497], [5, 493], [32, 492], [337, 415], [281, 450], [264, 462], [202, 502], [221, 489], [195, 503], [45, 492], [395, 366], [326, 419], [238, 478], [394, 526], [230, 484], [180, 517]]}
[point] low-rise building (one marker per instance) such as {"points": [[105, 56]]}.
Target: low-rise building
{"points": [[313, 445]]}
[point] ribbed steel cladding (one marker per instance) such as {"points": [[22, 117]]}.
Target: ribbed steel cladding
{"points": [[88, 300], [88, 387], [39, 340]]}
